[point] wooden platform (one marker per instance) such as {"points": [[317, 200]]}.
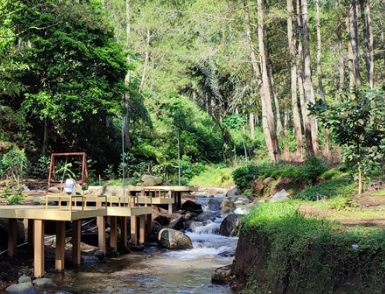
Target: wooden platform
{"points": [[136, 204]]}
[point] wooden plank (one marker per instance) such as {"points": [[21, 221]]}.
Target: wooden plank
{"points": [[113, 232], [134, 235], [123, 230], [142, 228]]}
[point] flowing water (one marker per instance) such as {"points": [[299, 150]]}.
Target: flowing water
{"points": [[156, 270]]}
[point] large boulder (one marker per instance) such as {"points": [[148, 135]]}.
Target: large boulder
{"points": [[149, 180], [233, 192], [191, 206], [229, 204], [173, 239], [176, 223], [229, 226], [206, 215]]}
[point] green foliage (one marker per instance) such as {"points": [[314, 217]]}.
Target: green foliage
{"points": [[213, 176], [40, 168], [327, 189], [14, 164], [306, 255], [310, 172], [14, 195], [243, 176]]}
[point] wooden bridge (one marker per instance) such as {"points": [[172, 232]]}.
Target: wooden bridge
{"points": [[136, 204]]}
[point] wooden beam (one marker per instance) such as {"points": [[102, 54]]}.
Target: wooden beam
{"points": [[101, 233], [12, 237], [60, 246], [30, 234], [76, 235], [38, 253]]}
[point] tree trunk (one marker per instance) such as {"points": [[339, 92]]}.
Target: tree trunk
{"points": [[127, 81], [319, 50], [252, 125], [146, 61], [351, 26], [267, 110], [308, 80], [368, 37], [262, 81], [293, 70]]}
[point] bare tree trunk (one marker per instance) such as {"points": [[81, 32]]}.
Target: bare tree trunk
{"points": [[263, 81], [319, 50], [268, 116], [368, 37], [351, 26], [127, 81], [146, 61], [293, 70], [341, 63], [252, 125], [280, 130]]}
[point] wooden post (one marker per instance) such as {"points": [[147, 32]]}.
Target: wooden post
{"points": [[30, 235], [60, 245], [12, 237], [142, 228], [123, 230], [38, 252], [170, 208], [113, 232], [149, 223], [76, 235], [101, 233], [134, 235]]}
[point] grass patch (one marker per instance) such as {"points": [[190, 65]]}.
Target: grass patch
{"points": [[308, 255], [213, 176]]}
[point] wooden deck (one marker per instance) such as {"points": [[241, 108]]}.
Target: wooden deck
{"points": [[136, 204]]}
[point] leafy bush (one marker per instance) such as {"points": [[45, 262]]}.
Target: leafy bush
{"points": [[213, 176], [313, 168], [243, 176]]}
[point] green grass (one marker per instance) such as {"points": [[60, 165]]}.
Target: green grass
{"points": [[213, 176], [309, 255]]}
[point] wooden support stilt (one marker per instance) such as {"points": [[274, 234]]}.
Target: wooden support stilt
{"points": [[149, 223], [134, 235], [38, 259], [123, 230], [30, 235], [101, 233], [76, 235], [142, 228], [113, 232], [170, 208], [60, 246], [12, 237]]}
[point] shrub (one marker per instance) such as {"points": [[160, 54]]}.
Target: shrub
{"points": [[312, 169], [243, 176]]}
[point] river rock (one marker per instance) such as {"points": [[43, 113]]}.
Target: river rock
{"points": [[162, 220], [149, 180], [228, 203], [225, 211], [191, 206], [206, 215], [43, 282], [99, 254], [221, 275], [280, 196], [177, 223], [23, 288], [229, 226], [233, 192], [24, 279], [213, 205], [173, 239]]}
